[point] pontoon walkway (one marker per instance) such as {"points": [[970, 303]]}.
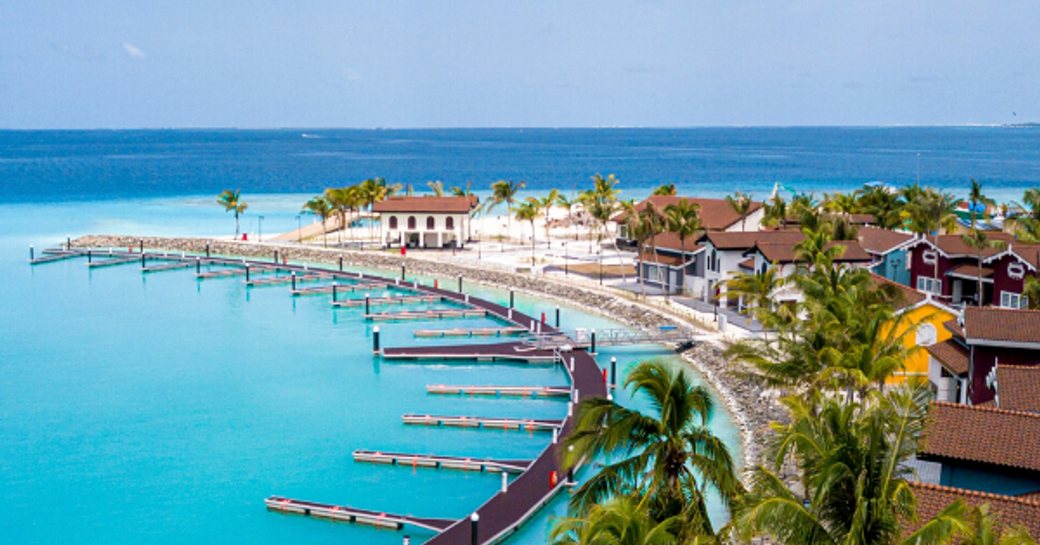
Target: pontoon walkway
{"points": [[514, 391], [483, 352], [441, 462], [350, 514], [526, 424]]}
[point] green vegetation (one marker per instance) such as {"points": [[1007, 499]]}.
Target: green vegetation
{"points": [[232, 201]]}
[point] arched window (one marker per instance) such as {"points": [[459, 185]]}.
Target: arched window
{"points": [[926, 335], [411, 222], [393, 222], [449, 223], [431, 223]]}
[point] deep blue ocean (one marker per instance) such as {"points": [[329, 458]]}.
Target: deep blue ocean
{"points": [[91, 165]]}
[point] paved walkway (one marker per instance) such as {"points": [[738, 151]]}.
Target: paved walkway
{"points": [[733, 317]]}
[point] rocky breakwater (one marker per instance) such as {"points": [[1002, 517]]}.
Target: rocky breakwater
{"points": [[751, 409]]}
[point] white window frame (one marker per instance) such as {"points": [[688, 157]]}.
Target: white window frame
{"points": [[926, 335], [1016, 271], [927, 284], [929, 256], [1010, 299]]}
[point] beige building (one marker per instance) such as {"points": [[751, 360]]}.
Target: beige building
{"points": [[425, 221]]}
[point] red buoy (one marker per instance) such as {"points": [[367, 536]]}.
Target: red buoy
{"points": [[435, 284], [543, 318], [604, 376], [553, 478]]}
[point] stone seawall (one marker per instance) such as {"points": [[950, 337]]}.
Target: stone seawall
{"points": [[751, 410]]}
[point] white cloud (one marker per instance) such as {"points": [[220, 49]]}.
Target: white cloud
{"points": [[134, 52]]}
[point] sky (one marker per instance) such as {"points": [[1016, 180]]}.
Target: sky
{"points": [[530, 63]]}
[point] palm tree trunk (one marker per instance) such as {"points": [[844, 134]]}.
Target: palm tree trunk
{"points": [[979, 302], [324, 234], [236, 224]]}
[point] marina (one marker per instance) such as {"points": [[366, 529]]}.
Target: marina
{"points": [[500, 391], [441, 462], [525, 424]]}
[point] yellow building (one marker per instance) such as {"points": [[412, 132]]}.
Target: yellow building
{"points": [[920, 324]]}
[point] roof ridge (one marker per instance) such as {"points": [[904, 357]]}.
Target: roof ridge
{"points": [[1002, 309], [1009, 412], [975, 493]]}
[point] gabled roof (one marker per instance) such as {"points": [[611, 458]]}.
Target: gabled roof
{"points": [[967, 270], [910, 297], [881, 241], [1010, 510], [1026, 253], [1018, 387], [951, 355], [737, 240], [427, 203], [994, 325], [954, 245], [716, 214], [980, 435], [670, 241], [664, 259], [787, 253]]}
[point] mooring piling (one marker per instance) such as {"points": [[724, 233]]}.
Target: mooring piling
{"points": [[375, 340]]}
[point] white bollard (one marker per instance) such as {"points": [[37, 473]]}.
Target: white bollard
{"points": [[505, 481], [556, 435], [572, 364], [570, 409]]}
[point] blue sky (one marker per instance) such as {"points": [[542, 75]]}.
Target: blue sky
{"points": [[488, 63]]}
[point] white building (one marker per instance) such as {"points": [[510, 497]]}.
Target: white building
{"points": [[425, 221]]}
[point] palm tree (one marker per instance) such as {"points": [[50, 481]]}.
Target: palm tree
{"points": [[665, 189], [683, 219], [437, 187], [504, 191], [1032, 292], [669, 457], [546, 203], [929, 212], [528, 211], [840, 203], [342, 200], [741, 204], [978, 241], [463, 191], [568, 204], [321, 208], [651, 224], [622, 520], [881, 203], [775, 214], [852, 460], [756, 289], [976, 199], [232, 201]]}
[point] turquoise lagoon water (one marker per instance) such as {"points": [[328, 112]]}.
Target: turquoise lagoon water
{"points": [[160, 409]]}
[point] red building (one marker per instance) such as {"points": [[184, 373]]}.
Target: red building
{"points": [[950, 269]]}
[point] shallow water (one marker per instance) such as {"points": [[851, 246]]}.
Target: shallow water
{"points": [[160, 409]]}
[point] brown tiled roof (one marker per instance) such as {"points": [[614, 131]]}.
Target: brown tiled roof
{"points": [[862, 219], [748, 264], [736, 240], [716, 214], [786, 253], [910, 296], [1002, 324], [670, 241], [955, 245], [982, 435], [426, 203], [664, 259], [1018, 387], [952, 355], [1010, 510], [880, 241], [953, 327], [970, 271]]}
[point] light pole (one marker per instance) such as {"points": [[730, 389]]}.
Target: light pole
{"points": [[259, 228], [565, 259], [599, 257], [299, 230]]}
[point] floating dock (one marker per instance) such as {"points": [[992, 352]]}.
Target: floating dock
{"points": [[441, 462], [286, 279], [513, 351], [471, 332], [50, 256], [357, 516], [112, 262], [167, 267], [526, 424], [400, 300], [431, 314], [340, 288], [502, 391]]}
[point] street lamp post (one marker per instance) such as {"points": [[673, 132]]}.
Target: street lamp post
{"points": [[299, 230], [599, 257], [259, 228], [565, 259]]}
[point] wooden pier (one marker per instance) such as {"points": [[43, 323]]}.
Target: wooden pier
{"points": [[471, 332], [400, 300], [526, 424], [500, 391], [431, 314], [513, 351], [350, 514], [441, 462]]}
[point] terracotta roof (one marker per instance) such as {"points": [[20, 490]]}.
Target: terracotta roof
{"points": [[955, 245], [862, 219], [426, 203], [669, 240], [786, 253], [910, 296], [1002, 324], [1018, 387], [1010, 510], [953, 327], [748, 264], [716, 214], [730, 240], [952, 355], [881, 241], [664, 259], [987, 436], [970, 271]]}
